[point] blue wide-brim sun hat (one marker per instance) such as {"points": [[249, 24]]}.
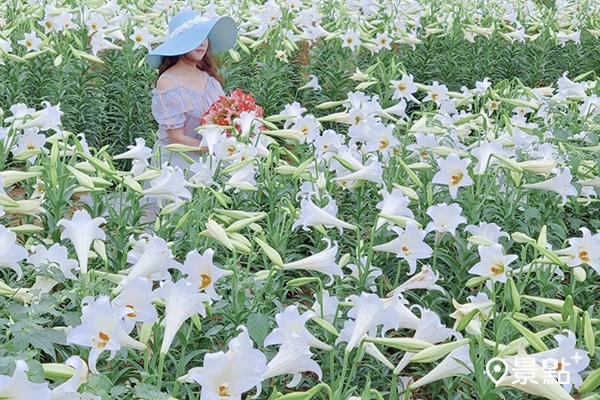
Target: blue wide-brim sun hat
{"points": [[188, 29]]}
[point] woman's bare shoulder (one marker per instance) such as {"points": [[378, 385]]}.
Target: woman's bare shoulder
{"points": [[165, 82]]}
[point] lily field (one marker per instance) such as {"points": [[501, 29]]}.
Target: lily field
{"points": [[415, 216]]}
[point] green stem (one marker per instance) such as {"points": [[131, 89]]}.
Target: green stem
{"points": [[161, 364], [394, 388]]}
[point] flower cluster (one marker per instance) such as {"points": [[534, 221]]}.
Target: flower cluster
{"points": [[230, 110]]}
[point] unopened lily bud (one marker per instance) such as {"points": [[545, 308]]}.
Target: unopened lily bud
{"points": [[537, 167], [148, 175], [520, 237], [55, 371], [404, 344], [100, 249], [436, 352], [480, 240], [270, 252], [580, 274], [344, 260]]}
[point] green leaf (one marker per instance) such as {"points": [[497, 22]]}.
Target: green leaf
{"points": [[144, 391], [258, 327]]}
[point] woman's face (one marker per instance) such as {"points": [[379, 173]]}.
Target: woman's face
{"points": [[198, 53]]}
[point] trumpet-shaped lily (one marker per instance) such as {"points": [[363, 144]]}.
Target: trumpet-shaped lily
{"points": [[139, 154], [431, 330], [101, 329], [404, 88], [446, 218], [564, 360], [10, 252], [326, 307], [69, 389], [409, 245], [393, 203], [55, 257], [480, 302], [229, 375], [369, 348], [584, 250], [491, 232], [182, 300], [537, 383], [312, 215], [82, 230], [484, 154], [294, 357], [151, 257], [493, 264], [560, 184], [202, 272], [290, 321], [19, 387], [136, 296], [170, 185], [426, 279], [453, 173], [372, 172], [368, 312], [456, 363], [323, 262]]}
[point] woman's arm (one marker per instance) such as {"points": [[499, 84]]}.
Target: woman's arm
{"points": [[177, 136]]}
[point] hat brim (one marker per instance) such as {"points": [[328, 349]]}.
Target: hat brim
{"points": [[221, 33]]}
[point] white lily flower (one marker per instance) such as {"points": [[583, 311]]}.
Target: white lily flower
{"points": [[151, 257], [537, 384], [229, 375], [69, 389], [368, 312], [82, 230], [290, 321], [560, 184], [565, 361], [202, 272], [137, 297], [182, 300], [456, 363], [101, 330], [431, 330], [311, 215], [294, 357], [19, 387], [323, 262]]}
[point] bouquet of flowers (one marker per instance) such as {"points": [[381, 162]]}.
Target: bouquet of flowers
{"points": [[226, 109]]}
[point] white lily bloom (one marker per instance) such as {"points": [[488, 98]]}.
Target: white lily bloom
{"points": [[564, 361], [537, 384], [101, 329], [151, 257], [456, 363], [560, 184], [11, 252], [202, 272], [394, 203], [69, 389], [294, 357], [137, 297], [82, 230], [368, 312], [323, 262], [431, 330], [182, 300], [19, 387], [290, 321], [311, 215], [229, 375]]}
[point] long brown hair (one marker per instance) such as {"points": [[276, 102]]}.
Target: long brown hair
{"points": [[208, 64]]}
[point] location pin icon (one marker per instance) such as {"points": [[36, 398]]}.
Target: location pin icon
{"points": [[494, 367]]}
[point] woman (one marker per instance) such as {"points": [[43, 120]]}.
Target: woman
{"points": [[188, 82]]}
